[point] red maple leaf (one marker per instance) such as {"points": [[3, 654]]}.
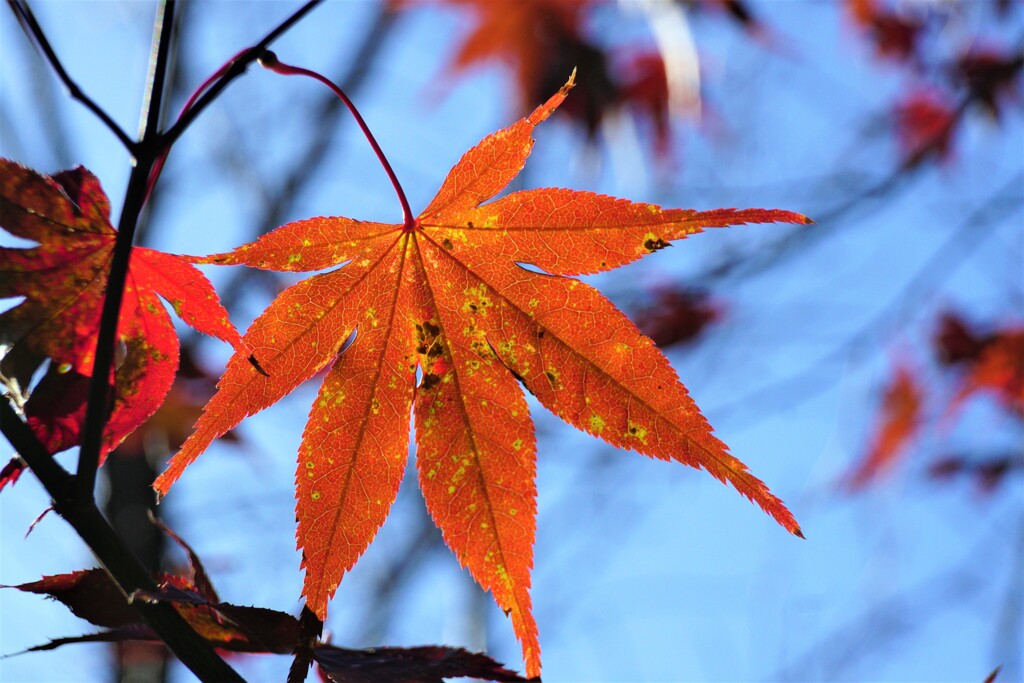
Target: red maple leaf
{"points": [[63, 280], [446, 294]]}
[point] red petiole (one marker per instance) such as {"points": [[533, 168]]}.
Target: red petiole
{"points": [[270, 61]]}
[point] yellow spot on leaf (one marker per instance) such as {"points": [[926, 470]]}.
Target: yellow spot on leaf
{"points": [[596, 423], [636, 431]]}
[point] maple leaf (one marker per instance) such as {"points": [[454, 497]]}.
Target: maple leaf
{"points": [[63, 280], [445, 293], [899, 422]]}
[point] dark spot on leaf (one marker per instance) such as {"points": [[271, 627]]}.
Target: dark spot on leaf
{"points": [[447, 244], [256, 364], [469, 224], [551, 377], [430, 380], [653, 245], [426, 338]]}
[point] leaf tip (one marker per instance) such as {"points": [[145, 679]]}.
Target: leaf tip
{"points": [[798, 532]]}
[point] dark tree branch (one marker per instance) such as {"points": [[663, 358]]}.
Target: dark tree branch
{"points": [[147, 150], [35, 32]]}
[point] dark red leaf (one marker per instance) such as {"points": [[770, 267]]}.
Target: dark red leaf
{"points": [[677, 315], [89, 594], [925, 122], [426, 664], [11, 471], [989, 75], [956, 341]]}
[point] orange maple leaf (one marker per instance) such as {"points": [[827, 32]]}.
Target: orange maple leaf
{"points": [[446, 294], [63, 280]]}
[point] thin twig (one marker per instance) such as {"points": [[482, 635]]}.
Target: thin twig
{"points": [[35, 32], [239, 66]]}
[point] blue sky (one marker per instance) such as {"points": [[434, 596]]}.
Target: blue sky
{"points": [[644, 570]]}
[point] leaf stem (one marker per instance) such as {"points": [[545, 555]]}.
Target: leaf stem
{"points": [[31, 27], [270, 61]]}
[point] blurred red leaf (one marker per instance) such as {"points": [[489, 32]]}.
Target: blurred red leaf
{"points": [[893, 35], [991, 76], [925, 122], [539, 40], [999, 369], [898, 423], [677, 315], [956, 341], [988, 472]]}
